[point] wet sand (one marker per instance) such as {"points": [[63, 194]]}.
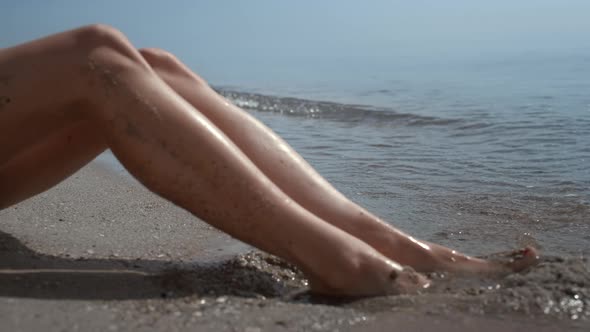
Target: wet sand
{"points": [[99, 252]]}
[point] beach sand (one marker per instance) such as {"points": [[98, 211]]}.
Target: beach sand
{"points": [[101, 253]]}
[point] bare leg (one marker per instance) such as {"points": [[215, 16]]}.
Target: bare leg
{"points": [[49, 161], [178, 153], [292, 174]]}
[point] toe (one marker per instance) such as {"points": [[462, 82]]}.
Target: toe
{"points": [[409, 281], [523, 259]]}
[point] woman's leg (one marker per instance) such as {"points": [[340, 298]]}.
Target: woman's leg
{"points": [[47, 162], [293, 175], [178, 153]]}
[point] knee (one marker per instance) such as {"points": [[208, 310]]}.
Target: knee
{"points": [[107, 43], [158, 57], [162, 60], [101, 35]]}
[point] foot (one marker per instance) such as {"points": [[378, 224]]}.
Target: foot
{"points": [[430, 257], [504, 263], [517, 260], [409, 281], [376, 275]]}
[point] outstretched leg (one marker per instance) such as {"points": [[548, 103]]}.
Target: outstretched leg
{"points": [[293, 175], [180, 154]]}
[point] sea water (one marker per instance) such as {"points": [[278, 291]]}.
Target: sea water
{"points": [[481, 155]]}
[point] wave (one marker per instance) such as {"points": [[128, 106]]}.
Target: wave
{"points": [[330, 110]]}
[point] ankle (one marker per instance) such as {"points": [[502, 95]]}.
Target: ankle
{"points": [[359, 273]]}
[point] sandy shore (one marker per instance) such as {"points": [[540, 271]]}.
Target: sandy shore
{"points": [[99, 252]]}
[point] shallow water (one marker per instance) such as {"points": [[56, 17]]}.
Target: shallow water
{"points": [[480, 157]]}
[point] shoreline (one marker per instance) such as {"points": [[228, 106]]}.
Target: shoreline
{"points": [[100, 252]]}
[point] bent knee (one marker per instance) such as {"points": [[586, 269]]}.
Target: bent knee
{"points": [[160, 59], [101, 35], [158, 55], [102, 38]]}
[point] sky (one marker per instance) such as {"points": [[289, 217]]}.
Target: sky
{"points": [[213, 32]]}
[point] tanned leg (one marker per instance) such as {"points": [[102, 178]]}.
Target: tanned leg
{"points": [[293, 175], [180, 154], [47, 162]]}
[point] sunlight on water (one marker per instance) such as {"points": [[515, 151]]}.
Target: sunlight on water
{"points": [[479, 166]]}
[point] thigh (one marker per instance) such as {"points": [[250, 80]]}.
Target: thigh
{"points": [[49, 161], [23, 131], [39, 91]]}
